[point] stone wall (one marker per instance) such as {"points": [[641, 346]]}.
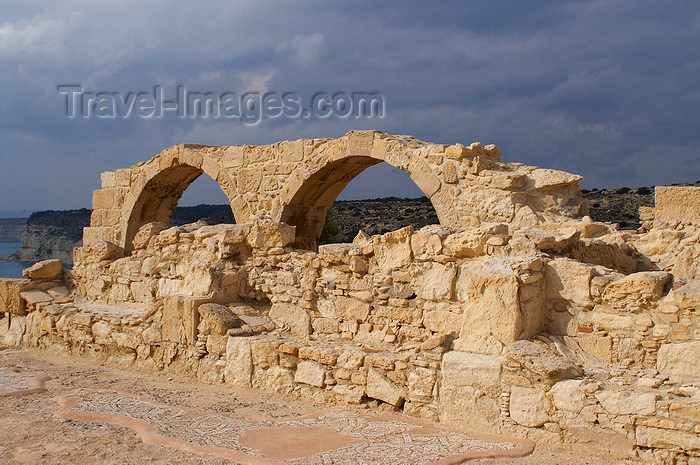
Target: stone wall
{"points": [[295, 182], [561, 330], [677, 204]]}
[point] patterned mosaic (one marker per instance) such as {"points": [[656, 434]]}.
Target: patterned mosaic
{"points": [[14, 383], [373, 440]]}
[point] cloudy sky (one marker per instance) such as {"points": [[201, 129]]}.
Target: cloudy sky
{"points": [[607, 89]]}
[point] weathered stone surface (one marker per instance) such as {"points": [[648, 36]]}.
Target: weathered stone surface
{"points": [[310, 372], [468, 243], [568, 395], [674, 203], [293, 317], [681, 359], [239, 361], [48, 269], [528, 406], [470, 385], [146, 232], [381, 388], [393, 249], [491, 311], [35, 297], [435, 281], [665, 438], [180, 319], [421, 382], [352, 309], [569, 280], [627, 402], [636, 291], [217, 318], [540, 363]]}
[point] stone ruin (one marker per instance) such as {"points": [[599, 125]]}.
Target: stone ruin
{"points": [[517, 314]]}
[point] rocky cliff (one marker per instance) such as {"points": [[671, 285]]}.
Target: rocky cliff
{"points": [[11, 229], [52, 234]]}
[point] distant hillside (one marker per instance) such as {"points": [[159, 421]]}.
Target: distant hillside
{"points": [[621, 205], [52, 234], [11, 229]]}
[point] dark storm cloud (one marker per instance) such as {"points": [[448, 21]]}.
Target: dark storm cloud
{"points": [[605, 89]]}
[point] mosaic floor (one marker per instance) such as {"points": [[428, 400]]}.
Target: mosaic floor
{"points": [[14, 382], [330, 437]]}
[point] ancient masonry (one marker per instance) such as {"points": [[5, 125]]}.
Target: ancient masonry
{"points": [[517, 314]]}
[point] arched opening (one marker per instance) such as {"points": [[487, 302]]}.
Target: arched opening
{"points": [[203, 201], [160, 197], [356, 193]]}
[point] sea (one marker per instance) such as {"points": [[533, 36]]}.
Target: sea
{"points": [[10, 269]]}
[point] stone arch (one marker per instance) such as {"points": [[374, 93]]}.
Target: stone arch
{"points": [[159, 184], [318, 182]]}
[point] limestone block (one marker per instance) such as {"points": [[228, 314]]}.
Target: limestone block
{"points": [[421, 382], [15, 333], [603, 321], [381, 388], [142, 292], [10, 301], [146, 232], [216, 318], [170, 287], [292, 316], [325, 325], [34, 297], [425, 244], [442, 321], [569, 280], [687, 263], [469, 389], [546, 178], [528, 406], [449, 173], [351, 360], [557, 241], [435, 281], [267, 234], [666, 438], [466, 244], [103, 199], [597, 345], [687, 297], [673, 203], [457, 152], [102, 250], [627, 402], [349, 308], [350, 393], [636, 291], [180, 319], [199, 279], [47, 269], [687, 409], [393, 249], [540, 363], [681, 359], [239, 362], [310, 372], [491, 310], [568, 395]]}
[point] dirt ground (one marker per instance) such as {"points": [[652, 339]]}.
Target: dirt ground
{"points": [[31, 434]]}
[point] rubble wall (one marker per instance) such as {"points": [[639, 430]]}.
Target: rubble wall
{"points": [[516, 314], [493, 327]]}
